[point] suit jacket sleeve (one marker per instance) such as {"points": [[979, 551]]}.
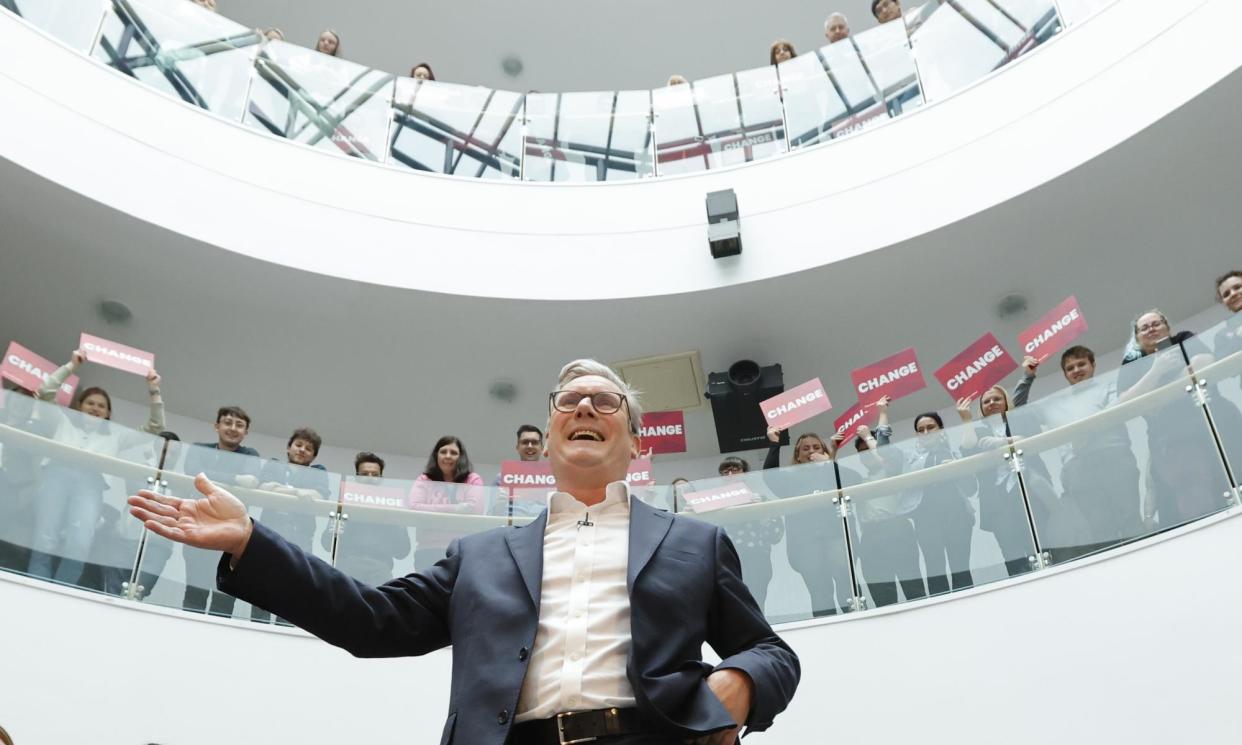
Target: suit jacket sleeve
{"points": [[406, 616], [745, 641]]}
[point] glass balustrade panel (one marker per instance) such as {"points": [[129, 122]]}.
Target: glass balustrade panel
{"points": [[787, 532], [889, 63], [964, 40], [603, 136], [391, 527], [1218, 372], [64, 479], [717, 122], [1120, 456], [181, 50], [456, 129], [312, 98], [297, 502], [937, 512], [74, 22], [828, 94]]}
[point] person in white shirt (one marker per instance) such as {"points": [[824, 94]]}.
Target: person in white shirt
{"points": [[585, 625]]}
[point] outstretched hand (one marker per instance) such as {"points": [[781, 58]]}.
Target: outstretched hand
{"points": [[216, 522]]}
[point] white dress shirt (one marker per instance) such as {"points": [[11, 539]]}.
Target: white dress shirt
{"points": [[583, 641]]}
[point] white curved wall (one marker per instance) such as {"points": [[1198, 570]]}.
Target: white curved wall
{"points": [[1137, 646], [102, 135]]}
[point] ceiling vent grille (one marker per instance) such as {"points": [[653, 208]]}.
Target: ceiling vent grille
{"points": [[668, 382]]}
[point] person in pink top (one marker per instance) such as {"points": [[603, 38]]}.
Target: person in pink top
{"points": [[459, 490]]}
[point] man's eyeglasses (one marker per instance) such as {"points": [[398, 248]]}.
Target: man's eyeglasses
{"points": [[604, 402]]}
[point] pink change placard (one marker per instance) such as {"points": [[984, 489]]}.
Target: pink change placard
{"points": [[28, 370], [894, 376], [977, 368], [663, 432], [526, 474], [719, 497], [121, 357], [640, 473], [1054, 332], [847, 424], [375, 495], [796, 405]]}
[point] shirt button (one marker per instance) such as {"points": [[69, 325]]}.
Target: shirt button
{"points": [[575, 656], [573, 701], [502, 717], [581, 576], [578, 614], [523, 653]]}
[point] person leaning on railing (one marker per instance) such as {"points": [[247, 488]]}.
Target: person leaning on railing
{"points": [[329, 43], [1229, 293], [1099, 472], [816, 544], [781, 51], [448, 463], [19, 479], [71, 497], [1184, 478], [944, 518], [1001, 509], [836, 28], [297, 476], [368, 551], [753, 539]]}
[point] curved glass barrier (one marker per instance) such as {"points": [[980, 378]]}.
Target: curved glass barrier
{"points": [[1121, 456], [181, 50], [211, 62]]}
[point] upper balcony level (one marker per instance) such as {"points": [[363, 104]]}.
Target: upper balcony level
{"points": [[998, 95]]}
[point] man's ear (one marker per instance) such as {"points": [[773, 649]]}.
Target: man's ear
{"points": [[635, 447]]}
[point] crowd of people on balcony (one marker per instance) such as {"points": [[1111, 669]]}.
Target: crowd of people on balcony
{"points": [[913, 542]]}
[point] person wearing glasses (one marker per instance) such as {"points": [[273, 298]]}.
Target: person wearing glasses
{"points": [[587, 624], [1184, 474]]}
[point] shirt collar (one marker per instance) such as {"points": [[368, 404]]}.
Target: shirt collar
{"points": [[616, 496]]}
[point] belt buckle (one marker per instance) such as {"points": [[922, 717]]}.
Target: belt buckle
{"points": [[560, 729]]}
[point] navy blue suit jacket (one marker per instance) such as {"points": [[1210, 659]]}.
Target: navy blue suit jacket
{"points": [[685, 585]]}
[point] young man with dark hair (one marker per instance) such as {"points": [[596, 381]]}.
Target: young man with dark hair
{"points": [[227, 461], [368, 551], [297, 476], [529, 448], [529, 442], [1100, 504]]}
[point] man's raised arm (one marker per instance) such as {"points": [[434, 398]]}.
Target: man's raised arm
{"points": [[406, 616]]}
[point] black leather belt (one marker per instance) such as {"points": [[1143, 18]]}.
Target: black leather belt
{"points": [[577, 727]]}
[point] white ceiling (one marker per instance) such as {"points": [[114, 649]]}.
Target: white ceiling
{"points": [[565, 45], [1149, 223]]}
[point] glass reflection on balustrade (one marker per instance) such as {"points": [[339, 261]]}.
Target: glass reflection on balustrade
{"points": [[961, 41], [324, 101], [718, 122], [62, 499], [1138, 459], [603, 136], [182, 50], [885, 51], [74, 22], [788, 535], [464, 130], [935, 513], [1220, 383], [829, 93]]}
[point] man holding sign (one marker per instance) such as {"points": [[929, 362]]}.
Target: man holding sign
{"points": [[586, 625]]}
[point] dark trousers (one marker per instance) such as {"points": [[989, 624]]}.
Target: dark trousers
{"points": [[757, 571], [889, 553], [944, 535]]}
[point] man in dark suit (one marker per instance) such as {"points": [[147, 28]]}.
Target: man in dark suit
{"points": [[586, 625]]}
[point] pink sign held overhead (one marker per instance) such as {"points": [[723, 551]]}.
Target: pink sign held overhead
{"points": [[796, 405], [121, 357], [374, 494], [894, 376], [977, 368], [719, 497], [1054, 332], [28, 370], [663, 432], [848, 423]]}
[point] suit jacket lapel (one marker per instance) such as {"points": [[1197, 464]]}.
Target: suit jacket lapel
{"points": [[648, 526], [526, 545]]}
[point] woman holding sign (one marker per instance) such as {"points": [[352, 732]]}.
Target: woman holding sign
{"points": [[816, 544], [71, 498]]}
